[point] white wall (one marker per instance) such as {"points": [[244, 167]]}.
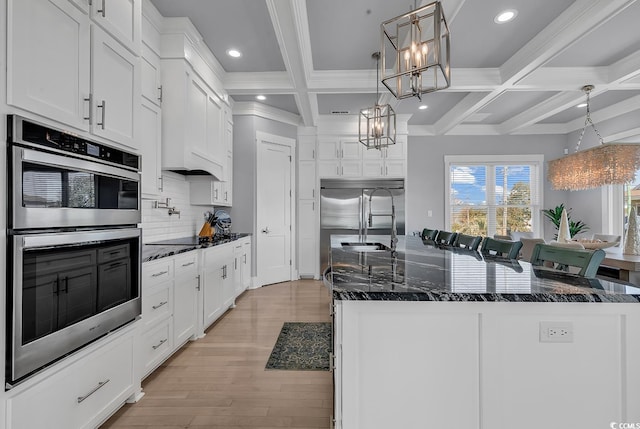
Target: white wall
{"points": [[425, 185]]}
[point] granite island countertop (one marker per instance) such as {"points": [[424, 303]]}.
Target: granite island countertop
{"points": [[165, 248], [422, 271]]}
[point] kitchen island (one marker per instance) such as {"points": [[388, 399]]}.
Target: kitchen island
{"points": [[432, 337]]}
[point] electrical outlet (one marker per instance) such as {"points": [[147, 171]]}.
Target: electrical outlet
{"points": [[556, 332], [429, 213]]}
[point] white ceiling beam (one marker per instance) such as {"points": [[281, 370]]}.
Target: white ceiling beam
{"points": [[466, 107], [285, 17], [563, 78], [626, 69], [263, 82], [574, 23], [610, 112], [549, 107]]}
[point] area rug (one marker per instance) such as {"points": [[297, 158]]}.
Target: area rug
{"points": [[302, 346]]}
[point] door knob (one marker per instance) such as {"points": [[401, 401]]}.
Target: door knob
{"points": [[266, 230]]}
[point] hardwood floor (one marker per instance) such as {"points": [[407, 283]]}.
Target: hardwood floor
{"points": [[220, 381]]}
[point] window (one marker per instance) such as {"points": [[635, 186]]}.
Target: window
{"points": [[494, 194]]}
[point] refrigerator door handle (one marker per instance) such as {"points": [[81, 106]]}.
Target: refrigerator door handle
{"points": [[360, 206]]}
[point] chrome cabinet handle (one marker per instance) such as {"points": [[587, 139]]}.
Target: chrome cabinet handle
{"points": [[102, 106], [215, 194], [94, 390], [160, 93], [155, 307], [245, 258], [103, 8], [266, 230], [313, 154], [188, 263], [160, 273], [198, 286], [225, 195], [159, 344], [235, 263], [89, 100], [161, 183]]}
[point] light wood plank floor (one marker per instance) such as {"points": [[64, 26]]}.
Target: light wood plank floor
{"points": [[220, 381]]}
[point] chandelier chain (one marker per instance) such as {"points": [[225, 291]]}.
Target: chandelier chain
{"points": [[588, 121]]}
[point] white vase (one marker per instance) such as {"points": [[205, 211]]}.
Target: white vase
{"points": [[632, 238]]}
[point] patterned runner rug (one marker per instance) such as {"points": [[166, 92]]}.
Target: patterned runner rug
{"points": [[302, 346]]}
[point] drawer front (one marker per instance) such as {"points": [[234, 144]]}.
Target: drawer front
{"points": [[80, 394], [157, 271], [187, 264], [157, 302], [112, 253], [157, 345]]}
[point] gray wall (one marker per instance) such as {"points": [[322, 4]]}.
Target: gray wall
{"points": [[425, 187]]}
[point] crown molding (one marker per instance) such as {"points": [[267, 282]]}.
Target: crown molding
{"points": [[264, 82], [250, 108]]}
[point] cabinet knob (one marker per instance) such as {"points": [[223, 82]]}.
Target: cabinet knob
{"points": [[266, 230], [102, 11]]}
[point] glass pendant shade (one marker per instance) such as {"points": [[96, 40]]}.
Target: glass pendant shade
{"points": [[417, 47], [377, 126]]}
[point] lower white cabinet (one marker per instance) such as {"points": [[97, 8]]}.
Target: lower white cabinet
{"points": [[246, 263], [186, 286], [242, 265], [81, 395], [156, 346], [217, 282]]}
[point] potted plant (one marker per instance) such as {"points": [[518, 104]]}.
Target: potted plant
{"points": [[555, 214]]}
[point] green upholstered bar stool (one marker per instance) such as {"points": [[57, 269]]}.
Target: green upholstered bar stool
{"points": [[506, 249], [587, 261], [445, 237], [429, 234], [467, 241]]}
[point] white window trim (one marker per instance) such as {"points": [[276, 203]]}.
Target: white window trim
{"points": [[613, 211], [536, 180]]}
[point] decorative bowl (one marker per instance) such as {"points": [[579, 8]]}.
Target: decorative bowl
{"points": [[592, 245]]}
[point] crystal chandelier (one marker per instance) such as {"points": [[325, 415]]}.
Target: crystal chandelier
{"points": [[377, 124], [418, 42], [605, 164]]}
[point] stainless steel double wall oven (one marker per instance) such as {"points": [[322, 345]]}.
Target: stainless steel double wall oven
{"points": [[73, 271]]}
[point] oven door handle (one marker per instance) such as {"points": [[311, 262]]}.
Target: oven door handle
{"points": [[62, 238], [46, 158]]}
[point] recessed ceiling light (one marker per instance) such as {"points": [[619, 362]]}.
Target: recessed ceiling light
{"points": [[261, 97], [423, 106], [582, 105], [234, 53], [505, 16]]}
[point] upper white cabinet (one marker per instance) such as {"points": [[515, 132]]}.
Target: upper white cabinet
{"points": [[64, 68], [121, 19], [115, 88], [151, 80], [190, 141], [150, 137], [48, 60]]}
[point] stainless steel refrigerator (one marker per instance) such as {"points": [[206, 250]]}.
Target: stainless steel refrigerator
{"points": [[345, 208]]}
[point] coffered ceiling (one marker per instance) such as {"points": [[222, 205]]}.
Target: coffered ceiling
{"points": [[313, 58]]}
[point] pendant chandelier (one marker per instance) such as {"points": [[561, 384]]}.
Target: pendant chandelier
{"points": [[605, 164], [418, 42], [377, 124]]}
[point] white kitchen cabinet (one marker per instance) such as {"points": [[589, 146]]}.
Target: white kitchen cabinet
{"points": [[307, 241], [339, 158], [190, 141], [307, 148], [186, 286], [157, 302], [150, 129], [217, 282], [64, 68], [246, 263], [48, 47], [116, 89], [307, 180], [156, 346], [82, 394], [151, 86], [121, 19]]}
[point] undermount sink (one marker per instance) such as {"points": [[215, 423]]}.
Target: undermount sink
{"points": [[365, 247]]}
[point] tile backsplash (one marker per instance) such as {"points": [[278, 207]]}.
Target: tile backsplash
{"points": [[157, 224]]}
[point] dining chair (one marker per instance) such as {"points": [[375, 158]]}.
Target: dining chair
{"points": [[506, 249], [429, 234], [445, 237], [527, 247], [587, 261], [467, 241], [607, 237]]}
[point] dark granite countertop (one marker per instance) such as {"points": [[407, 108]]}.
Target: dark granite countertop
{"points": [[422, 271], [165, 248]]}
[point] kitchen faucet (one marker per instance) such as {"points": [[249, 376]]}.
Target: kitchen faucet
{"points": [[394, 233]]}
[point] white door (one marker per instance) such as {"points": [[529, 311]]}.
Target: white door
{"points": [[273, 211]]}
